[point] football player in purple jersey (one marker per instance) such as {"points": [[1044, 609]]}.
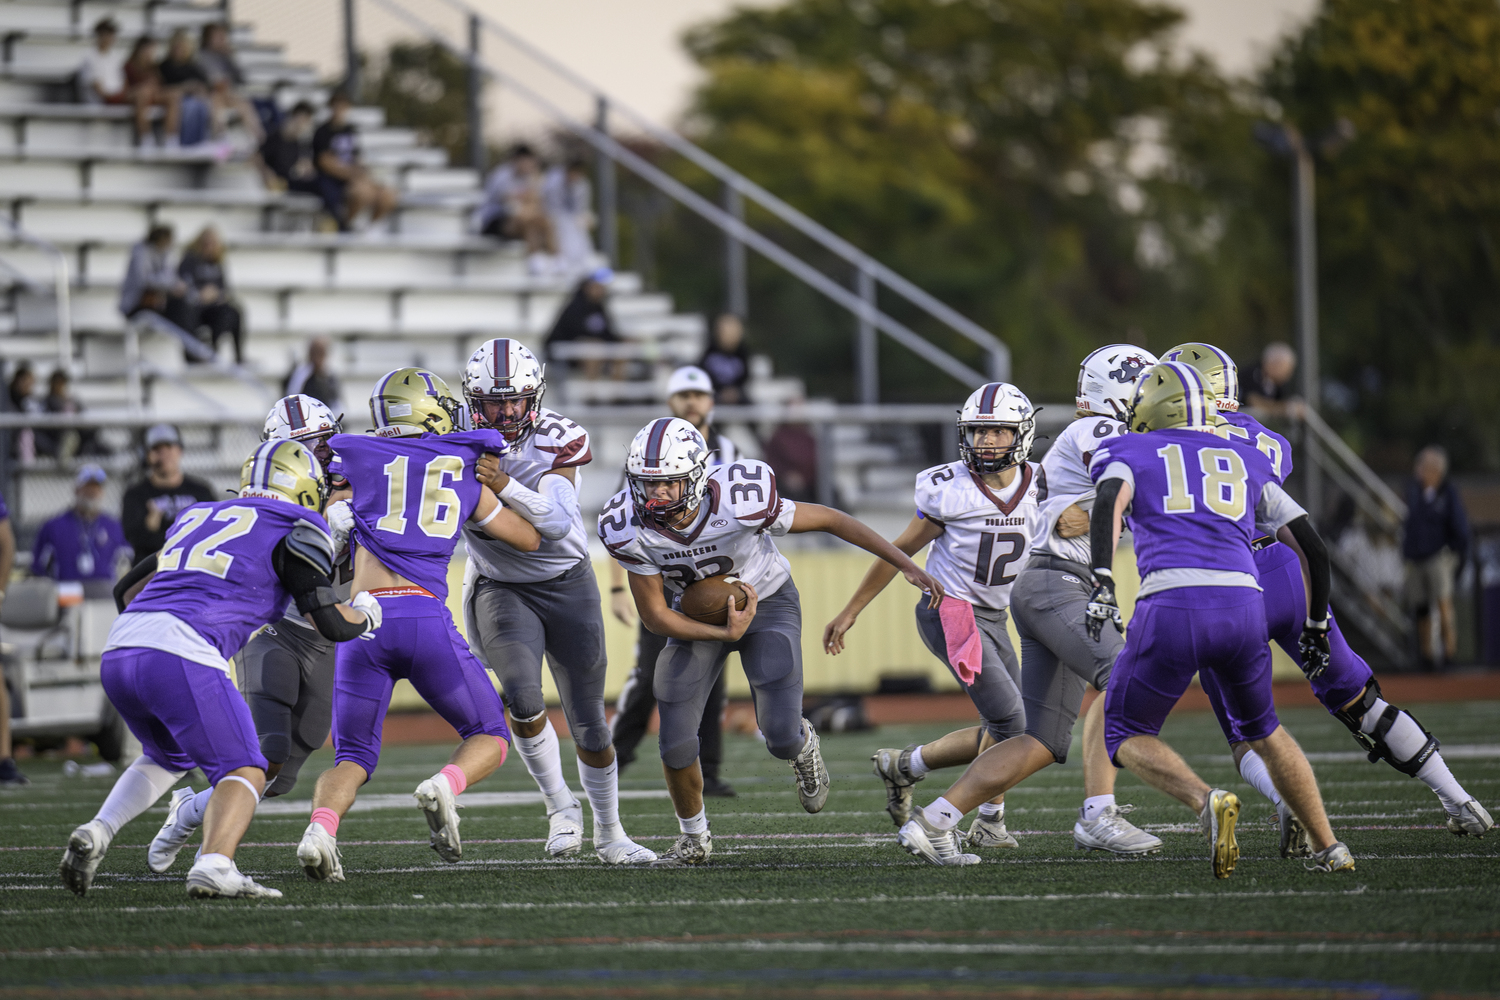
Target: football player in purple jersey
{"points": [[414, 488], [226, 569]]}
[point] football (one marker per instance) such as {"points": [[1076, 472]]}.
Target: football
{"points": [[707, 600]]}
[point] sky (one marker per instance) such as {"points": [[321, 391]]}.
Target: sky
{"points": [[632, 48]]}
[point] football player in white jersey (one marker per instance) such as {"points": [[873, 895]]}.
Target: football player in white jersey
{"points": [[519, 606], [690, 395], [1059, 657], [979, 515], [678, 523]]}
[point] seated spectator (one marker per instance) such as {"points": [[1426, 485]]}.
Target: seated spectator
{"points": [[584, 320], [143, 81], [207, 292], [287, 157], [22, 385], [182, 75], [151, 505], [346, 183], [64, 443], [83, 542], [314, 378], [568, 198], [727, 360], [151, 282], [512, 207], [792, 453], [225, 80], [101, 75], [1268, 387]]}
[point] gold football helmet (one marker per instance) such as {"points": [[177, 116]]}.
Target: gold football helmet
{"points": [[1216, 367], [412, 401], [1172, 394], [285, 470]]}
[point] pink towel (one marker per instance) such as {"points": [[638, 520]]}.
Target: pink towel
{"points": [[965, 651]]}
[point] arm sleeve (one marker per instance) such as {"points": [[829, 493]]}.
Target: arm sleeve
{"points": [[133, 576], [313, 592], [1319, 570], [1102, 524]]}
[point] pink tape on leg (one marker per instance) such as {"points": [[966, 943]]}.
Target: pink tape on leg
{"points": [[457, 780], [328, 820], [504, 749]]}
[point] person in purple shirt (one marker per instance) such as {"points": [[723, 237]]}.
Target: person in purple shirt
{"points": [[83, 542], [226, 569], [1195, 502], [1347, 687], [415, 485]]}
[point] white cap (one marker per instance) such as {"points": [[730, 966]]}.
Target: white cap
{"points": [[690, 378]]}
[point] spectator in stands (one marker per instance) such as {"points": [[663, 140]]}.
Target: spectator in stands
{"points": [[225, 80], [314, 377], [101, 75], [143, 80], [22, 386], [182, 75], [60, 400], [512, 208], [567, 196], [1435, 546], [10, 775], [207, 292], [151, 282], [346, 183], [584, 320], [151, 505], [83, 542], [727, 360], [1268, 387], [792, 453], [286, 157]]}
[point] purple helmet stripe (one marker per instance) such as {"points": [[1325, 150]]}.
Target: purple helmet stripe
{"points": [[502, 360], [987, 400], [294, 417], [654, 442]]}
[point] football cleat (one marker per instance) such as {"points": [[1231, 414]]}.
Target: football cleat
{"points": [[690, 849], [1220, 813], [717, 788], [1294, 842], [86, 849], [894, 768], [812, 773], [318, 854], [173, 833], [989, 833], [625, 852], [1471, 820], [207, 882], [1335, 858], [436, 800], [1111, 831], [938, 847], [565, 831]]}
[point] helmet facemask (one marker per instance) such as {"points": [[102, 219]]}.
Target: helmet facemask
{"points": [[988, 458], [515, 427], [661, 511]]}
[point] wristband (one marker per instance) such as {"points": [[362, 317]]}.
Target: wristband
{"points": [[1316, 626], [617, 590], [490, 516]]}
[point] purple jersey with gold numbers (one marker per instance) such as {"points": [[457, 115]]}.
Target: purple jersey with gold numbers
{"points": [[214, 571], [1244, 427], [412, 496]]}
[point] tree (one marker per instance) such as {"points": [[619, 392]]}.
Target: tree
{"points": [[425, 87]]}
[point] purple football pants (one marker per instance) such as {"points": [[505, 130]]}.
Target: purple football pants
{"points": [[185, 714], [417, 641], [1218, 631], [1285, 599]]}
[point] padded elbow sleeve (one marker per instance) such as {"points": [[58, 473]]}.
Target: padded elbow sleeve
{"points": [[335, 627], [1102, 524], [133, 576]]}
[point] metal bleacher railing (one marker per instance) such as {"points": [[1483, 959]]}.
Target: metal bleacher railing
{"points": [[870, 276]]}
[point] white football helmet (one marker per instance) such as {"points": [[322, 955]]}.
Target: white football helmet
{"points": [[1106, 379], [299, 417], [500, 371], [666, 449], [997, 404]]}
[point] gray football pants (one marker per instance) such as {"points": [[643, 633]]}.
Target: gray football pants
{"points": [[286, 675], [996, 692], [771, 653], [511, 626], [1058, 659]]}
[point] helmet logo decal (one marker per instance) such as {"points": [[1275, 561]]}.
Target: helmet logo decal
{"points": [[431, 389], [1129, 368]]}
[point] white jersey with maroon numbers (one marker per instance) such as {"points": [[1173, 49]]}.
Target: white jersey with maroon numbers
{"points": [[986, 534], [558, 443], [731, 533], [1067, 467]]}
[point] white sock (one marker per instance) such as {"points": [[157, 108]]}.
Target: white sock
{"points": [[599, 784], [943, 814], [992, 811], [1096, 804], [694, 824], [136, 791], [1253, 770], [918, 766], [192, 811], [544, 764], [1436, 776], [218, 862]]}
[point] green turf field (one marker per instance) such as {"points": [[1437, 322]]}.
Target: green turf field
{"points": [[793, 905]]}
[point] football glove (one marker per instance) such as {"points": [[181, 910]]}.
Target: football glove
{"points": [[1314, 648], [1102, 608], [340, 518], [364, 602]]}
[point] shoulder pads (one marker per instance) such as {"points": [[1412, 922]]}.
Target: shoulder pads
{"points": [[312, 545]]}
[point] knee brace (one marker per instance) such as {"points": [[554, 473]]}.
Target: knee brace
{"points": [[1388, 733]]}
